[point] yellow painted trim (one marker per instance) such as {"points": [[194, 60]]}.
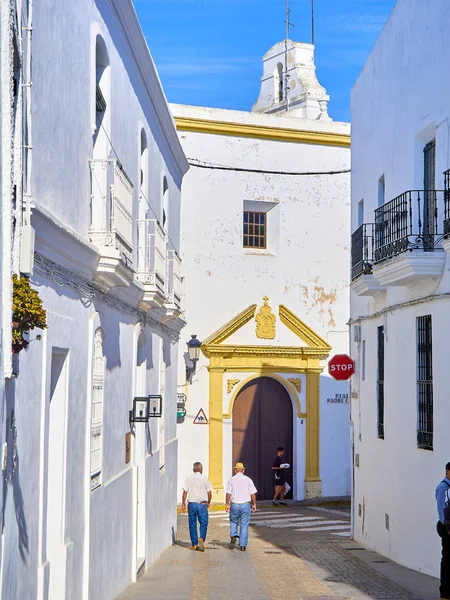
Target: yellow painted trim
{"points": [[265, 132], [216, 433], [229, 328], [280, 351], [302, 330], [313, 426], [268, 373]]}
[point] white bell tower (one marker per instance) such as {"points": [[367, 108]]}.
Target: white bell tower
{"points": [[303, 96]]}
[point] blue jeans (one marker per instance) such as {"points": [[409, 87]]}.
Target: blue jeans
{"points": [[199, 511], [240, 516]]}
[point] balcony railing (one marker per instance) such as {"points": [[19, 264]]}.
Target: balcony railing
{"points": [[111, 207], [152, 254], [447, 203], [362, 250], [409, 222], [174, 281]]}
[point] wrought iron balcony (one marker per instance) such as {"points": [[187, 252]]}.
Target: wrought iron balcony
{"points": [[362, 250], [447, 203], [409, 222]]}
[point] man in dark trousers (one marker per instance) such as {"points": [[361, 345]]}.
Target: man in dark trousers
{"points": [[279, 477], [442, 495]]}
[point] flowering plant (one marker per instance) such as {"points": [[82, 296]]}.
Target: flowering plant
{"points": [[27, 312]]}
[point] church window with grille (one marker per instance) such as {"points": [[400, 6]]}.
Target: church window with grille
{"points": [[255, 229], [424, 383], [380, 381]]}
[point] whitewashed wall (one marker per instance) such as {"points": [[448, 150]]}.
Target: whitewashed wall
{"points": [[305, 266], [99, 529], [399, 103]]}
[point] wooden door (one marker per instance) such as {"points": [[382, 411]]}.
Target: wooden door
{"points": [[262, 421]]}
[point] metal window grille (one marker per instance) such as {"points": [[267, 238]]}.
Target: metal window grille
{"points": [[254, 229], [100, 102], [424, 383], [447, 203], [429, 201], [380, 382]]}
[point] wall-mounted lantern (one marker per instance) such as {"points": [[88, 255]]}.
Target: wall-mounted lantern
{"points": [[194, 354], [155, 406], [144, 408]]}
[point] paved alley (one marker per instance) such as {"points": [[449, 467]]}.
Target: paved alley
{"points": [[302, 552]]}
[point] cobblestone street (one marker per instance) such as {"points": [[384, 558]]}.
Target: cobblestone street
{"points": [[301, 552]]}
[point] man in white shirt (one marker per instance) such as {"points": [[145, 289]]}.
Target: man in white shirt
{"points": [[198, 491], [240, 501]]}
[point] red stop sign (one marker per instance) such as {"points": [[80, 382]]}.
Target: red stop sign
{"points": [[341, 367]]}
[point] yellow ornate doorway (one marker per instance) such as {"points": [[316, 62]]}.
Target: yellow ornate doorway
{"points": [[231, 366]]}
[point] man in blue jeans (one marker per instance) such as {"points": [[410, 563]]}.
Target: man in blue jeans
{"points": [[240, 501], [198, 491]]}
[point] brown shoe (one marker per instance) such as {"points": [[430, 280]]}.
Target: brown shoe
{"points": [[201, 545], [232, 543], [193, 548]]}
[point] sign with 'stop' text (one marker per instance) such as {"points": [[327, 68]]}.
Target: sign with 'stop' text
{"points": [[341, 367]]}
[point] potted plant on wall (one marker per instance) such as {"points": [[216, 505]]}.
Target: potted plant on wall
{"points": [[27, 312]]}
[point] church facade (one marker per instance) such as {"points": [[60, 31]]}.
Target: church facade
{"points": [[264, 232]]}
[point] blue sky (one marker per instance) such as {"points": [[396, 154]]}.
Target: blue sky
{"points": [[208, 52]]}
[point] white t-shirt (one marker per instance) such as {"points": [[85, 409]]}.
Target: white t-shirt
{"points": [[240, 487], [197, 487]]}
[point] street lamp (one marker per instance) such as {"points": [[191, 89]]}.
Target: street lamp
{"points": [[194, 354]]}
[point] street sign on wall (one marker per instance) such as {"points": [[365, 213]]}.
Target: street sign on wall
{"points": [[341, 367]]}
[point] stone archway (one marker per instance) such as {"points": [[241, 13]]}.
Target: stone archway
{"points": [[231, 361], [262, 421]]}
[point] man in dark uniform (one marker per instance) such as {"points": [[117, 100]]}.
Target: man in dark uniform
{"points": [[279, 477], [442, 493]]}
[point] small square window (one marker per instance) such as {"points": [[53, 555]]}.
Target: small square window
{"points": [[254, 229]]}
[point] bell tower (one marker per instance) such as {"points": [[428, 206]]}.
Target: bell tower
{"points": [[289, 84]]}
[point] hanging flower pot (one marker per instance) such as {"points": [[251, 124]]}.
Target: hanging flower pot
{"points": [[27, 312]]}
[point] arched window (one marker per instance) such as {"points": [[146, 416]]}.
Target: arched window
{"points": [[102, 99], [144, 168], [165, 203], [98, 378], [278, 83], [141, 366]]}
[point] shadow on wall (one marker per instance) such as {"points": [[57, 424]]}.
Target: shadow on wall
{"points": [[11, 475], [111, 326]]}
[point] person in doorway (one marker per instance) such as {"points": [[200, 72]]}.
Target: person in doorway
{"points": [[198, 492], [442, 497], [240, 502], [279, 476]]}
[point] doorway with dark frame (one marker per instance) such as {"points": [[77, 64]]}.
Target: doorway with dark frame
{"points": [[262, 421]]}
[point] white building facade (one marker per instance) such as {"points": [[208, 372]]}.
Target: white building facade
{"points": [[400, 284], [264, 238], [88, 498]]}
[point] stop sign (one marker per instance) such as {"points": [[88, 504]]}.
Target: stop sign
{"points": [[341, 367]]}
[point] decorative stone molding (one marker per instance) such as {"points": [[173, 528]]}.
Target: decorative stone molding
{"points": [[89, 290], [265, 322], [410, 267], [366, 285], [231, 383], [297, 383]]}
